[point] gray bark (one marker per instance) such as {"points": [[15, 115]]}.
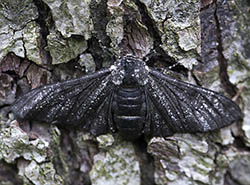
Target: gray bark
{"points": [[44, 41]]}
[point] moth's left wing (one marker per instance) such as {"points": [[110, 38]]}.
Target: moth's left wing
{"points": [[84, 100], [180, 107]]}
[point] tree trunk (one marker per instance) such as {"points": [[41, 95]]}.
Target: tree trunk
{"points": [[42, 41]]}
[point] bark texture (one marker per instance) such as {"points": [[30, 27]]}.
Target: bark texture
{"points": [[44, 41]]}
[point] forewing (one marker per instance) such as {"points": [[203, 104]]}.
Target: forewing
{"points": [[71, 102], [182, 107]]}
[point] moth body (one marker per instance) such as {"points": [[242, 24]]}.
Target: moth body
{"points": [[129, 111]]}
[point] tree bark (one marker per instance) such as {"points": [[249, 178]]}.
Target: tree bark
{"points": [[45, 41]]}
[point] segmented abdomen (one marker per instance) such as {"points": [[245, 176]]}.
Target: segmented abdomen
{"points": [[129, 111]]}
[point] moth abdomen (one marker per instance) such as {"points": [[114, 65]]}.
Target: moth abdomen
{"points": [[129, 111]]}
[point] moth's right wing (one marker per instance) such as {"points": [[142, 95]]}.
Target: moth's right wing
{"points": [[84, 100], [178, 107]]}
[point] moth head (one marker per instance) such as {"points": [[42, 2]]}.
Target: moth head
{"points": [[129, 71]]}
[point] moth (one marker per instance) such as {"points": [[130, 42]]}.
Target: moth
{"points": [[130, 98]]}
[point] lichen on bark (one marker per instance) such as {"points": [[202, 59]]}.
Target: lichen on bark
{"points": [[179, 28], [115, 164], [63, 50], [71, 17], [14, 16], [14, 143]]}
